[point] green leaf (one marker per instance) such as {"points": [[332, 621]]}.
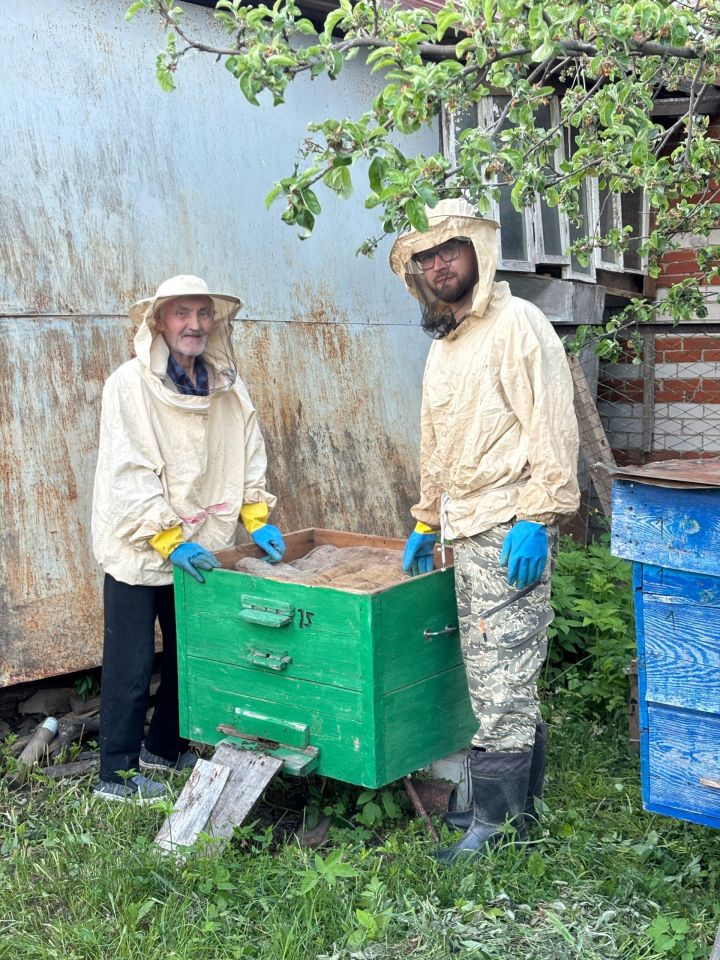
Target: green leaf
{"points": [[164, 76], [546, 50], [246, 85], [536, 865], [375, 173], [339, 180], [134, 8], [311, 201], [428, 194], [332, 20], [337, 62], [445, 19], [281, 60], [415, 212], [311, 880], [272, 196]]}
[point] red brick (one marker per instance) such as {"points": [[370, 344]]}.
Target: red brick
{"points": [[690, 390], [654, 456], [627, 458], [616, 390], [668, 343], [684, 349], [680, 255], [689, 355]]}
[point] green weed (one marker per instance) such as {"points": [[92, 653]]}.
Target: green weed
{"points": [[592, 639]]}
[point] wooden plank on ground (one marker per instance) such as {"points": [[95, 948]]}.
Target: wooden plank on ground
{"points": [[250, 773], [594, 444], [194, 805], [715, 955]]}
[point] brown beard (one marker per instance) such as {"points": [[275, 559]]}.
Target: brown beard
{"points": [[462, 288]]}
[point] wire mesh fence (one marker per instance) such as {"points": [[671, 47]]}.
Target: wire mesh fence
{"points": [[666, 406]]}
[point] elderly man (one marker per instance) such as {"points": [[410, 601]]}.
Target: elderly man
{"points": [[499, 451], [181, 458]]}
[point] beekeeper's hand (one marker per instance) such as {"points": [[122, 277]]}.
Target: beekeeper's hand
{"points": [[418, 554], [524, 553], [269, 539], [192, 558]]}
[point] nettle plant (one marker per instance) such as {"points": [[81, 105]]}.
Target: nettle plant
{"points": [[548, 103], [592, 638]]}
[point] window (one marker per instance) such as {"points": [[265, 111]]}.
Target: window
{"points": [[541, 234]]}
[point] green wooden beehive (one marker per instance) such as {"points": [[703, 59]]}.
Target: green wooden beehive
{"points": [[362, 687]]}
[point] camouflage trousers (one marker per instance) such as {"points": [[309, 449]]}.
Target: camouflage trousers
{"points": [[504, 652]]}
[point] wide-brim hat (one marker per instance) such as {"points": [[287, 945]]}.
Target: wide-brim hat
{"points": [[225, 306]]}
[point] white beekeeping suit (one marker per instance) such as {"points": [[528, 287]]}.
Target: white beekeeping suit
{"points": [[168, 460]]}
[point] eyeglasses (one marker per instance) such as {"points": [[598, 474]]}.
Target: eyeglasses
{"points": [[448, 251]]}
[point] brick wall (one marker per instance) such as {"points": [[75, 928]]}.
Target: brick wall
{"points": [[685, 382], [686, 393]]}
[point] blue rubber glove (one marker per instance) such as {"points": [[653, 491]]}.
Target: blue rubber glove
{"points": [[418, 554], [269, 539], [192, 558], [524, 552]]}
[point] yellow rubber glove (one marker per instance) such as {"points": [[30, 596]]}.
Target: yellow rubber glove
{"points": [[424, 528], [254, 516], [166, 541]]}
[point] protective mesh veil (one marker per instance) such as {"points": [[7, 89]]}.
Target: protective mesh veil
{"points": [[436, 318]]}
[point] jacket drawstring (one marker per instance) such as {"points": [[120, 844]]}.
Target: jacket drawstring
{"points": [[444, 499]]}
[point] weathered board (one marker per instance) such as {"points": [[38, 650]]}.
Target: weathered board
{"points": [[217, 797], [194, 806], [249, 774], [362, 687]]}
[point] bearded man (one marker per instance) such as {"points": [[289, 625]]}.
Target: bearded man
{"points": [[499, 446]]}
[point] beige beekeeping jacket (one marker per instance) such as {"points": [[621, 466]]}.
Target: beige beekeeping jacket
{"points": [[167, 459], [498, 429]]}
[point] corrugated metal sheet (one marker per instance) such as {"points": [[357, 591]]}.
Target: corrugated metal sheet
{"points": [[108, 186]]}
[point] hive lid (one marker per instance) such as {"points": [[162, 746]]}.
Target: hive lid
{"points": [[693, 474]]}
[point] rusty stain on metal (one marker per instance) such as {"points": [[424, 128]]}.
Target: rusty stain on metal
{"points": [[341, 422], [50, 388]]}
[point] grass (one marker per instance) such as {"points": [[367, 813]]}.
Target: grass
{"points": [[81, 880]]}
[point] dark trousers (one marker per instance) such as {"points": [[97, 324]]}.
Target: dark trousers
{"points": [[128, 656]]}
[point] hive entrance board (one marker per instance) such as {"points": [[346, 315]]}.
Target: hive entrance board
{"points": [[365, 686], [217, 797]]}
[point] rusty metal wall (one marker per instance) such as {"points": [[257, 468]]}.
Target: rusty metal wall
{"points": [[107, 187]]}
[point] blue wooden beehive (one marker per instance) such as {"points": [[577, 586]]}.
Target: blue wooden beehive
{"points": [[666, 519]]}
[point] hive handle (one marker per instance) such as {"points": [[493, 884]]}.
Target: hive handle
{"points": [[446, 632], [272, 661], [265, 613]]}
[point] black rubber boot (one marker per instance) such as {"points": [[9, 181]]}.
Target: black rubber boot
{"points": [[500, 787], [461, 819], [536, 782]]}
